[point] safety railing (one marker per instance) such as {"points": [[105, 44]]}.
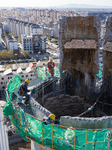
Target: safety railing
{"points": [[56, 136]]}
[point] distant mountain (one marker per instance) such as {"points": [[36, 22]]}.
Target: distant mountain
{"points": [[79, 6]]}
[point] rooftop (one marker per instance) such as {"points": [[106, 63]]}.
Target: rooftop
{"points": [[10, 38], [78, 44], [108, 46], [2, 47], [16, 71]]}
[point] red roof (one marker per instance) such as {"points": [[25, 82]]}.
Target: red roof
{"points": [[81, 44]]}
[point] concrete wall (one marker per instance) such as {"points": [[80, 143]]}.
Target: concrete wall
{"points": [[82, 63], [87, 123], [0, 36], [4, 143], [108, 34], [39, 112], [107, 70]]}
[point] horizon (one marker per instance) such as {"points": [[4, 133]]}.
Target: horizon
{"points": [[48, 3]]}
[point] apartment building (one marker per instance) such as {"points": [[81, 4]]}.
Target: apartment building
{"points": [[39, 43], [5, 76], [0, 34], [27, 43], [35, 43], [28, 20], [5, 27], [11, 43]]}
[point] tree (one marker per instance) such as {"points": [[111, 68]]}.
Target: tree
{"points": [[19, 40], [26, 54], [4, 54], [11, 54], [55, 40], [48, 38]]}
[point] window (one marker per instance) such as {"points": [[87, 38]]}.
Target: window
{"points": [[22, 76], [26, 75], [31, 75], [2, 78], [1, 82]]}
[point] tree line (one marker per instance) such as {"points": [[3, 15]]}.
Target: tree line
{"points": [[10, 55]]}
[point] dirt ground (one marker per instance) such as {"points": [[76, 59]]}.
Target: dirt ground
{"points": [[21, 146]]}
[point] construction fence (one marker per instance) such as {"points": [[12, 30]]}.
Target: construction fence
{"points": [[53, 136], [44, 73]]}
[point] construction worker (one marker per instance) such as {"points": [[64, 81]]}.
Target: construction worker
{"points": [[23, 90], [51, 66], [49, 120]]}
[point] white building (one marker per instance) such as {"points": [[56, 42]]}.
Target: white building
{"points": [[5, 27], [0, 35], [56, 30], [48, 31], [5, 76], [11, 43], [27, 43], [4, 144], [35, 43], [34, 29]]}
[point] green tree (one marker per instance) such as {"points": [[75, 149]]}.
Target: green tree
{"points": [[48, 38], [4, 54], [11, 54], [55, 40], [19, 40], [26, 54]]}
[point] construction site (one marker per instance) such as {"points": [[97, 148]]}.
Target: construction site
{"points": [[79, 93]]}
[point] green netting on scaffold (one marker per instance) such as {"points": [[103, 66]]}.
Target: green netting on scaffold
{"points": [[44, 73], [14, 83], [100, 73], [58, 137], [54, 136]]}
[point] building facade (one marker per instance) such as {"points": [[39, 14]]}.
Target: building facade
{"points": [[11, 43], [0, 34], [35, 43], [27, 43]]}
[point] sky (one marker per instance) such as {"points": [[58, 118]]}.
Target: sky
{"points": [[47, 3]]}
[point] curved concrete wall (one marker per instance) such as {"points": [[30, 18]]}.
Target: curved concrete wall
{"points": [[68, 121], [37, 110], [87, 123]]}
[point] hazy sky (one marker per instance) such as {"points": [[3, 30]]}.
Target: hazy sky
{"points": [[45, 3]]}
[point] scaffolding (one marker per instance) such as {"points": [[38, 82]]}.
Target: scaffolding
{"points": [[53, 136]]}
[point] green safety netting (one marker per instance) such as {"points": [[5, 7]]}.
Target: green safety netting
{"points": [[54, 136], [14, 83], [44, 73], [100, 73]]}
